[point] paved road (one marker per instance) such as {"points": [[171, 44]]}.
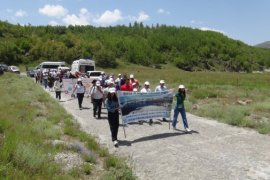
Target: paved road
{"points": [[212, 151]]}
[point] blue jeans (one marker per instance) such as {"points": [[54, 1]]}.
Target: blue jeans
{"points": [[182, 111], [45, 81]]}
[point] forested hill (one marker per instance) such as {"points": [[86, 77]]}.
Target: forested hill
{"points": [[264, 45], [187, 48]]}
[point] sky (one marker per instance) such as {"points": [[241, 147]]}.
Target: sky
{"points": [[244, 20]]}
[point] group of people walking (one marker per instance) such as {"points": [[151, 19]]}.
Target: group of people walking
{"points": [[104, 92]]}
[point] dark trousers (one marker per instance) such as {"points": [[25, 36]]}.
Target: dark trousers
{"points": [[113, 119], [97, 103], [80, 99], [58, 94]]}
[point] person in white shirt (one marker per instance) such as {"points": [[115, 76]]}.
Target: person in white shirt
{"points": [[80, 90], [146, 89], [57, 88], [160, 88], [97, 97]]}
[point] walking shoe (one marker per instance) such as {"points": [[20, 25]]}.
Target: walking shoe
{"points": [[188, 130], [164, 119], [150, 122], [115, 143]]}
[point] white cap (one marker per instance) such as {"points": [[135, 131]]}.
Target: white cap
{"points": [[162, 82], [79, 79], [146, 83], [119, 74], [131, 76], [135, 89], [98, 83], [112, 90], [181, 86]]}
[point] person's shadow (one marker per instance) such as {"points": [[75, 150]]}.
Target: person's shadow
{"points": [[177, 132]]}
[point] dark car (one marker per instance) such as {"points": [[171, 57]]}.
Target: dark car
{"points": [[4, 67], [1, 70], [31, 73], [14, 69]]}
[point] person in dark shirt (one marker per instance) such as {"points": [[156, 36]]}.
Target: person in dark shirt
{"points": [[180, 108]]}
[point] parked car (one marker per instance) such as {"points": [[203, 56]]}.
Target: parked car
{"points": [[4, 67], [94, 75], [14, 69], [1, 70], [31, 73]]}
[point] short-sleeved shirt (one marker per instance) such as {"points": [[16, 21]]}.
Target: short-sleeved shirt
{"points": [[126, 87], [160, 89]]}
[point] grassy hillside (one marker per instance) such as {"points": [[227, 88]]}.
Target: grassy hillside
{"points": [[264, 45], [233, 98], [188, 49], [37, 136]]}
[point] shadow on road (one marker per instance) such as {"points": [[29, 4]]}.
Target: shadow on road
{"points": [[156, 137]]}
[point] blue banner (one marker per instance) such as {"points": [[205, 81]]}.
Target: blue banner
{"points": [[137, 106]]}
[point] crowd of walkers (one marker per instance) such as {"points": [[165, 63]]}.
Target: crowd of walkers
{"points": [[103, 92]]}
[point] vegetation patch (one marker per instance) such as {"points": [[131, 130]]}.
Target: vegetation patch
{"points": [[39, 140]]}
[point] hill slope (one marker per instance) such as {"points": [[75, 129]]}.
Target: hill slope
{"points": [[189, 49], [265, 44]]}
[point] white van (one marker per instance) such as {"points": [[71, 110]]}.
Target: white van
{"points": [[94, 75], [82, 66], [51, 65]]}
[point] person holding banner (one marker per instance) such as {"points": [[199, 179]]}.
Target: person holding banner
{"points": [[112, 106], [180, 108], [147, 89], [160, 88], [80, 90]]}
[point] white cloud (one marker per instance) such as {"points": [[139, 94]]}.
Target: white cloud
{"points": [[142, 17], [82, 19], [211, 29], [20, 13], [162, 11], [53, 10], [196, 22], [109, 17], [53, 23]]}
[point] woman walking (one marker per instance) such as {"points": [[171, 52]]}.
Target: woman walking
{"points": [[97, 97], [180, 108], [113, 114], [57, 88], [80, 90]]}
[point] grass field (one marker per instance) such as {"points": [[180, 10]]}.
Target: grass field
{"points": [[30, 122], [235, 98]]}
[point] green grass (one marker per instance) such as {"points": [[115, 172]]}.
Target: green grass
{"points": [[29, 120], [215, 93]]}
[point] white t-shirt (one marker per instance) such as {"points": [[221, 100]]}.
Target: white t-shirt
{"points": [[144, 90], [80, 89], [160, 89], [95, 93]]}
